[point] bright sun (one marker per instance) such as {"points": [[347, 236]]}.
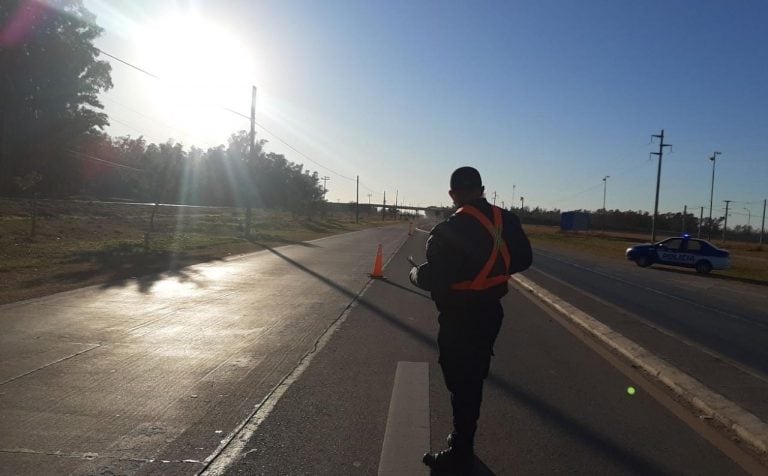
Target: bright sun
{"points": [[203, 68]]}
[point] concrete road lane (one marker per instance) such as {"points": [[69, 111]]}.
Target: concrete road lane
{"points": [[151, 374], [552, 405], [712, 329]]}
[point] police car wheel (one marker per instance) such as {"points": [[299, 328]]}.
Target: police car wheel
{"points": [[644, 261], [703, 267]]}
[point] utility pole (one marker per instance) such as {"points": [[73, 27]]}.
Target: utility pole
{"points": [[725, 223], [251, 159], [712, 192], [384, 207], [762, 227], [325, 179], [605, 188], [502, 205], [660, 153], [685, 212], [494, 198], [522, 204], [357, 200], [749, 220], [513, 195], [701, 217], [397, 192], [369, 204]]}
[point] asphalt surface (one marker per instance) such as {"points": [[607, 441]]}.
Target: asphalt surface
{"points": [[552, 405], [151, 376], [714, 329]]}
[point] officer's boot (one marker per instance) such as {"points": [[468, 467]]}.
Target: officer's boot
{"points": [[459, 456]]}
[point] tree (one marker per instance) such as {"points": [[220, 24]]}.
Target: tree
{"points": [[49, 85]]}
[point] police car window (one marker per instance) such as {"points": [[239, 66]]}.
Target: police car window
{"points": [[694, 246], [673, 244]]}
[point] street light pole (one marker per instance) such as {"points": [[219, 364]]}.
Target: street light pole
{"points": [[712, 192], [605, 188]]}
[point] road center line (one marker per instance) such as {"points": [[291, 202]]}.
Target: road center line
{"points": [[406, 437], [231, 447]]}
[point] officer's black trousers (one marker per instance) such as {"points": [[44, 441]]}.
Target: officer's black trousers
{"points": [[465, 340]]}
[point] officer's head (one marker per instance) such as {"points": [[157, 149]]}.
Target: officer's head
{"points": [[466, 185]]}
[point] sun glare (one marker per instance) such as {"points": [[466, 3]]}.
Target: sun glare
{"points": [[203, 69]]}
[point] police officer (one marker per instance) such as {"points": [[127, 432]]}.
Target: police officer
{"points": [[469, 259]]}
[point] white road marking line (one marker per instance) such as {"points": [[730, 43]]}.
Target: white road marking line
{"points": [[699, 347], [661, 293], [749, 427], [231, 448], [406, 438]]}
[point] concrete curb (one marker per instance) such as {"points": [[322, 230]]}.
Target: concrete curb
{"points": [[746, 425]]}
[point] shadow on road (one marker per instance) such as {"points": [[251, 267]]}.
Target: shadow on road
{"points": [[549, 412], [266, 240], [413, 291], [128, 263]]}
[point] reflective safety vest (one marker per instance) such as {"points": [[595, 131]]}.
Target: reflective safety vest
{"points": [[484, 280]]}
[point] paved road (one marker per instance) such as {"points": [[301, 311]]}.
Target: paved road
{"points": [[714, 329], [552, 404], [125, 376], [149, 377]]}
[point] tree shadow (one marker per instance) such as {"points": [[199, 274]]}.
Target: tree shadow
{"points": [[596, 441], [262, 239], [127, 263]]}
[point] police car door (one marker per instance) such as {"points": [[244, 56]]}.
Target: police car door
{"points": [[671, 251], [693, 251]]}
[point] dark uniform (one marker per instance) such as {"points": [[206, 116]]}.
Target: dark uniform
{"points": [[469, 259]]}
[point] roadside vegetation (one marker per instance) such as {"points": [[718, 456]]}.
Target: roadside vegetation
{"points": [[83, 243], [749, 262]]}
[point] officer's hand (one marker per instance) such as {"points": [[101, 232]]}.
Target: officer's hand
{"points": [[414, 276]]}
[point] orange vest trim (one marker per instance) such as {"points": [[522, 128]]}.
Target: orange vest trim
{"points": [[483, 280]]}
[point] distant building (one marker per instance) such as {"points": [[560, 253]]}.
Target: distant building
{"points": [[574, 221]]}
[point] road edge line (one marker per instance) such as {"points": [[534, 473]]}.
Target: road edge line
{"points": [[230, 448], [746, 425]]}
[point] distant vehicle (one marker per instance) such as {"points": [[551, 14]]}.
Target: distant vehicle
{"points": [[684, 251]]}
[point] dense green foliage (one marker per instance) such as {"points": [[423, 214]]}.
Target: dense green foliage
{"points": [[129, 168], [49, 85], [50, 121]]}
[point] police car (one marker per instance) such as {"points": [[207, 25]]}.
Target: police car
{"points": [[683, 251]]}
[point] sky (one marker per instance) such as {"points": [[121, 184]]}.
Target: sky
{"points": [[544, 98]]}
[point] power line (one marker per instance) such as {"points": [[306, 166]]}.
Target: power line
{"points": [[280, 139], [128, 64], [84, 156]]}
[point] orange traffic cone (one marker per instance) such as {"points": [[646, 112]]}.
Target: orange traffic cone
{"points": [[378, 272]]}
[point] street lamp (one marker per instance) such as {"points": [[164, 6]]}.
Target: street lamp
{"points": [[605, 188], [712, 192]]}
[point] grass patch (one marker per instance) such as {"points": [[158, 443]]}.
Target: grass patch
{"points": [[82, 243], [749, 262]]}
